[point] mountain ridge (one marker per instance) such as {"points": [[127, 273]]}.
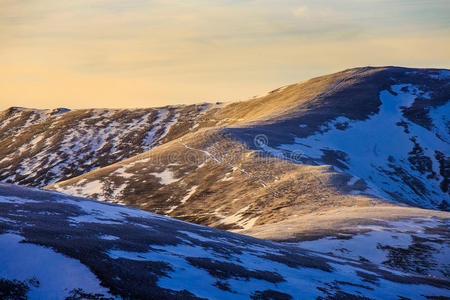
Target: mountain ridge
{"points": [[259, 145]]}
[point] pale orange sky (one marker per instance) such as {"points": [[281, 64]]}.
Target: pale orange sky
{"points": [[138, 53]]}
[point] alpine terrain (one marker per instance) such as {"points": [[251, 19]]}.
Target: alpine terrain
{"points": [[333, 188]]}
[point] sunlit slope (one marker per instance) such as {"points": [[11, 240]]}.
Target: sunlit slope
{"points": [[40, 147], [373, 134], [211, 179]]}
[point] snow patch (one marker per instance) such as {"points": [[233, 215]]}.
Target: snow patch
{"points": [[56, 273], [165, 177], [191, 191]]}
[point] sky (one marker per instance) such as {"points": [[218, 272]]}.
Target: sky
{"points": [[144, 53]]}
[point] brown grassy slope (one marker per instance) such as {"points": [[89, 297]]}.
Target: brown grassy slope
{"points": [[218, 182], [342, 220], [68, 144], [282, 102]]}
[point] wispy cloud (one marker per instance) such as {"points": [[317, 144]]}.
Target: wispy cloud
{"points": [[300, 11]]}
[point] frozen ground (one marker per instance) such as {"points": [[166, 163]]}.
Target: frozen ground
{"points": [[126, 252]]}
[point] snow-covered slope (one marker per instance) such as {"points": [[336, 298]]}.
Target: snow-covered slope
{"points": [[114, 251], [401, 160], [403, 238]]}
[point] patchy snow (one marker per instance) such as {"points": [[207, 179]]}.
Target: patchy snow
{"points": [[93, 187], [85, 189], [107, 213], [36, 140], [228, 177], [150, 136], [441, 121], [441, 74], [353, 180], [162, 124], [196, 236], [171, 209], [202, 283], [98, 136], [237, 218], [12, 199], [249, 223], [108, 237], [116, 195]]}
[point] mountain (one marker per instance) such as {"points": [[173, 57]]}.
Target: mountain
{"points": [[386, 126], [361, 137], [345, 177], [40, 147], [59, 246]]}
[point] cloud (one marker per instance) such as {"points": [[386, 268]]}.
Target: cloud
{"points": [[300, 11]]}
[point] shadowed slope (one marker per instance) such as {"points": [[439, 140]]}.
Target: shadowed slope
{"points": [[135, 254]]}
